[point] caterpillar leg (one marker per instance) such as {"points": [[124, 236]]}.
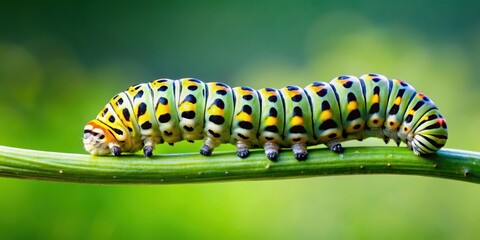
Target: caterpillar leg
{"points": [[148, 150], [206, 150], [208, 146], [242, 149], [335, 147], [395, 139], [149, 145], [300, 151], [115, 148], [271, 150]]}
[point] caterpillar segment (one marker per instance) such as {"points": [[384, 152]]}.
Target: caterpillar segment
{"points": [[344, 109], [376, 99], [272, 121], [141, 96], [429, 135], [166, 110], [218, 116], [245, 120], [400, 96], [350, 97], [327, 125], [297, 132], [191, 105]]}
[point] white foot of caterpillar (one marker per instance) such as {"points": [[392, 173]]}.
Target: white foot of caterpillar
{"points": [[208, 146], [300, 151], [242, 149], [271, 150]]}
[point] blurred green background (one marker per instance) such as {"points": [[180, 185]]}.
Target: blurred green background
{"points": [[61, 62]]}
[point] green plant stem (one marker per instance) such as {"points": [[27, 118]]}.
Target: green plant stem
{"points": [[190, 168]]}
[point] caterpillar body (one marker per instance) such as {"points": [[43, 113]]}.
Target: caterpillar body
{"points": [[347, 108]]}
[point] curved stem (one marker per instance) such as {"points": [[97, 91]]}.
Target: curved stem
{"points": [[190, 168]]}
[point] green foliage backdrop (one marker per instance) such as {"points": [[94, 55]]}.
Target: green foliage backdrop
{"points": [[61, 62]]}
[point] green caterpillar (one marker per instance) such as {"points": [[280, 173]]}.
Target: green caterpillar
{"points": [[322, 113]]}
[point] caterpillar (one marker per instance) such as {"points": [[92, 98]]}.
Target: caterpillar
{"points": [[347, 108]]}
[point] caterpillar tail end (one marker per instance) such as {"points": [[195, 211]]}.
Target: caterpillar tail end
{"points": [[430, 136]]}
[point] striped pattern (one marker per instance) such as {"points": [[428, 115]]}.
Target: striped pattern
{"points": [[188, 109]]}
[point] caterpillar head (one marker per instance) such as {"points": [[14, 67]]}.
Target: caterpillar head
{"points": [[429, 135], [98, 140]]}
